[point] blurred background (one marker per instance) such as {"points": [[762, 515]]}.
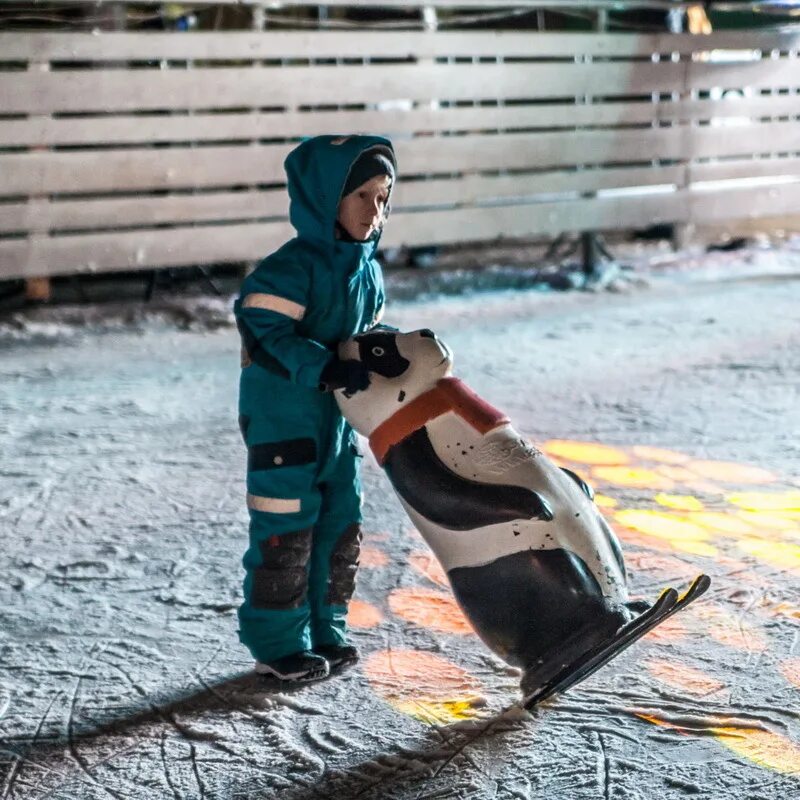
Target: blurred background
{"points": [[148, 138]]}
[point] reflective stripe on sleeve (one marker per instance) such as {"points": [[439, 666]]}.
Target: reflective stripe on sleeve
{"points": [[272, 505], [272, 302]]}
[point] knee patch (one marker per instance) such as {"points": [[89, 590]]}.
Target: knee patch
{"points": [[281, 582], [344, 563]]}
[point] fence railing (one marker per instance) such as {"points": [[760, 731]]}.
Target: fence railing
{"points": [[139, 150]]}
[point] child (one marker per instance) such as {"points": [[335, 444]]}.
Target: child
{"points": [[303, 490]]}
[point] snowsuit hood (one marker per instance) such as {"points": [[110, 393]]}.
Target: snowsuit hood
{"points": [[317, 171]]}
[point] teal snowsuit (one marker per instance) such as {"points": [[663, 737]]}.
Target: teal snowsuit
{"points": [[303, 489]]}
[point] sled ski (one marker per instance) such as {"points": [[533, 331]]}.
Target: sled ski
{"points": [[668, 603]]}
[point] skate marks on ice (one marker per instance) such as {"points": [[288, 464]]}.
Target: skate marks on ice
{"points": [[726, 673]]}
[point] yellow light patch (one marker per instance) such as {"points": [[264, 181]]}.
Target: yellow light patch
{"points": [[761, 519], [683, 677], [730, 472], [767, 501], [629, 476], [762, 747], [443, 712], [681, 534], [765, 748], [585, 452], [784, 555], [681, 502], [720, 523], [423, 685], [661, 524], [603, 501], [429, 609], [659, 454]]}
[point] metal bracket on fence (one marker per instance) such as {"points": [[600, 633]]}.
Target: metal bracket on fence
{"points": [[168, 276], [596, 268]]}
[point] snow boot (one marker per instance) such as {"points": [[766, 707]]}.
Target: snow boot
{"points": [[338, 656], [298, 667]]}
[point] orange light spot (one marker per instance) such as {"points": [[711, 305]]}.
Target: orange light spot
{"points": [[371, 557], [361, 614], [729, 629], [791, 670], [414, 534], [423, 685], [659, 454], [635, 478], [683, 677], [428, 566], [680, 502], [603, 501], [780, 610], [677, 474], [428, 609], [670, 630], [730, 472], [655, 562], [584, 452]]}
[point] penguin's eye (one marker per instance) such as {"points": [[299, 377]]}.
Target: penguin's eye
{"points": [[378, 351]]}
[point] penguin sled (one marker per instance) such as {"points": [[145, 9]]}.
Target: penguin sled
{"points": [[533, 564]]}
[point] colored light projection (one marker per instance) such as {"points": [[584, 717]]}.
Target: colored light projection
{"points": [[677, 516]]}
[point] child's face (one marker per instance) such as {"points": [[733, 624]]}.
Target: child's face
{"points": [[361, 211]]}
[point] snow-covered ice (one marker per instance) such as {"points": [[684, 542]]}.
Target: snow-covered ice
{"points": [[122, 525]]}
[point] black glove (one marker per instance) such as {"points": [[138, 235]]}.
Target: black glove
{"points": [[350, 375]]}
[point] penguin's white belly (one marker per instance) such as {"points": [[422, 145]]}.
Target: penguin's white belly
{"points": [[503, 457]]}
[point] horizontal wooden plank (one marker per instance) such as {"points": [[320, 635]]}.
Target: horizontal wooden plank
{"points": [[237, 126], [187, 167], [233, 45], [212, 244], [743, 169], [244, 87], [42, 215]]}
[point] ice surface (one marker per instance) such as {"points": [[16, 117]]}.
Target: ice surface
{"points": [[122, 525]]}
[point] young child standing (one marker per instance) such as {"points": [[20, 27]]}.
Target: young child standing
{"points": [[303, 489]]}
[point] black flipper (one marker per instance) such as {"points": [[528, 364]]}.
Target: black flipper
{"points": [[667, 604], [445, 498], [585, 488]]}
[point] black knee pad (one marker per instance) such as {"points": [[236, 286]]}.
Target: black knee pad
{"points": [[281, 582], [344, 564]]}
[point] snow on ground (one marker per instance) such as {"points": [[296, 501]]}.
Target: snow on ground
{"points": [[123, 523]]}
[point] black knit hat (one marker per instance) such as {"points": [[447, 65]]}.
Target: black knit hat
{"points": [[374, 161]]}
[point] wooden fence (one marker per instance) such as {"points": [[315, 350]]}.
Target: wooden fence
{"points": [[138, 150]]}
